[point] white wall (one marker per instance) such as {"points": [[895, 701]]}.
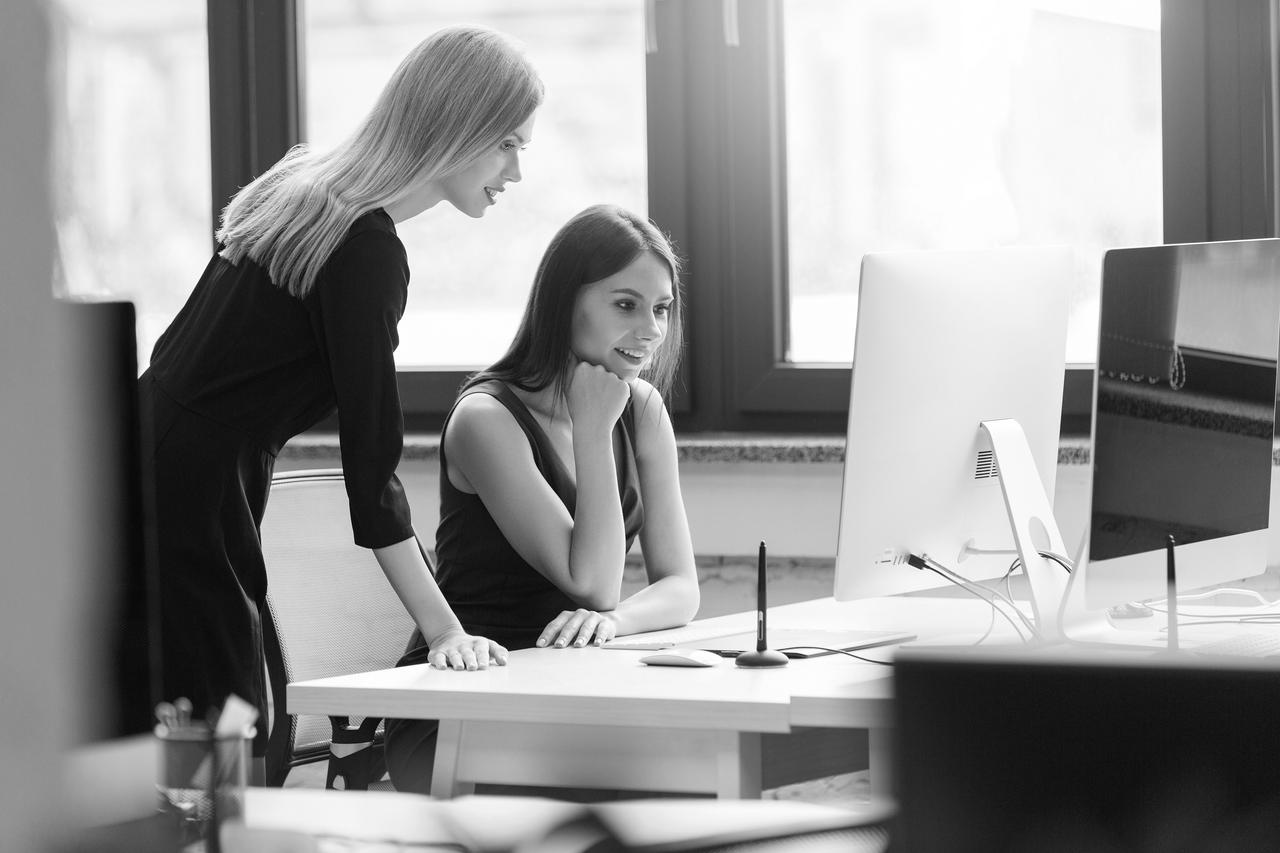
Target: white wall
{"points": [[43, 654], [795, 507]]}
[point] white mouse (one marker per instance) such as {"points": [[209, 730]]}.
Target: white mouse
{"points": [[681, 657]]}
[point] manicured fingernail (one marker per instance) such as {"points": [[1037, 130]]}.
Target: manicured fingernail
{"points": [[560, 644], [542, 641]]}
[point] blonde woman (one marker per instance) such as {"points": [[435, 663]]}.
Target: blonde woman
{"points": [[295, 316]]}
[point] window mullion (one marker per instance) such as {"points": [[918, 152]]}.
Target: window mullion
{"points": [[254, 102]]}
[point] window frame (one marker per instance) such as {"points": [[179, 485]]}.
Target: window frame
{"points": [[255, 95], [717, 181]]}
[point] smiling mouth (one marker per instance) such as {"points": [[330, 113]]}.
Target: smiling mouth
{"points": [[492, 194], [632, 356]]}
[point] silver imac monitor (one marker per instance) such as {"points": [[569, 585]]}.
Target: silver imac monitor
{"points": [[1184, 417], [945, 341]]}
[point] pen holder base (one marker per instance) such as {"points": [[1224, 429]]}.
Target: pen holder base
{"points": [[761, 658]]}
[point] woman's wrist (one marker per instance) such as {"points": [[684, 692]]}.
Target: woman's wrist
{"points": [[619, 621], [592, 435], [443, 634]]}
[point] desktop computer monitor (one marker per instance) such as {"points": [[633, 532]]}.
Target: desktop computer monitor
{"points": [[115, 514], [1184, 417], [945, 341]]}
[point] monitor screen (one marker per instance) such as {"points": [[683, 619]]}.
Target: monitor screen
{"points": [[116, 499], [946, 340], [1184, 416]]}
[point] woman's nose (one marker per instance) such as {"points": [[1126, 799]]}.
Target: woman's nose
{"points": [[650, 329], [512, 172]]}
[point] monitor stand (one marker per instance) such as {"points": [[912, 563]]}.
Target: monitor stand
{"points": [[1034, 527]]}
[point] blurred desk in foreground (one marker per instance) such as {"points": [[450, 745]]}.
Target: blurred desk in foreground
{"points": [[381, 820]]}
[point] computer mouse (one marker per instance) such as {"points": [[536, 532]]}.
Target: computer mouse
{"points": [[681, 657], [1130, 610]]}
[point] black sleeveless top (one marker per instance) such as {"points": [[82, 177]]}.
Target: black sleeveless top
{"points": [[490, 587]]}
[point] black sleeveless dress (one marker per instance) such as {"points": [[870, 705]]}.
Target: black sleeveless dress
{"points": [[490, 587]]}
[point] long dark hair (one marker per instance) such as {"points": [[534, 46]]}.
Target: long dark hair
{"points": [[600, 241]]}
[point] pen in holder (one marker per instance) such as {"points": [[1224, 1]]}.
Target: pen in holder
{"points": [[763, 656], [203, 770]]}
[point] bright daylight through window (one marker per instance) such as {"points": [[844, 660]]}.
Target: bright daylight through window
{"points": [[468, 278], [131, 158], [920, 124]]}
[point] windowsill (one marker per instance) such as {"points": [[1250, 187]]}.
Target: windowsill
{"points": [[698, 447]]}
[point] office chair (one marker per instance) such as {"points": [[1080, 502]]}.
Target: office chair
{"points": [[330, 611]]}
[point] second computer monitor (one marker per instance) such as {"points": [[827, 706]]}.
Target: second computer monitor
{"points": [[1184, 417], [946, 340]]}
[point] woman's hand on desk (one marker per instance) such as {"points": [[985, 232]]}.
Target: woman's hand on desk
{"points": [[459, 650], [577, 628]]}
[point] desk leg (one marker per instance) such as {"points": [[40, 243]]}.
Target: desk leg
{"points": [[738, 765], [879, 746], [444, 775]]}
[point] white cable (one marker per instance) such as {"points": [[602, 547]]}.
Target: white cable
{"points": [[966, 583]]}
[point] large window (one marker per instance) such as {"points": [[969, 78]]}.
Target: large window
{"points": [[131, 159], [778, 141], [469, 279]]}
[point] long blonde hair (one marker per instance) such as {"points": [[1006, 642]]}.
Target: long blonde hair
{"points": [[460, 91]]}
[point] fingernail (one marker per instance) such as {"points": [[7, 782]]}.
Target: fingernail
{"points": [[542, 641], [560, 643], [580, 643]]}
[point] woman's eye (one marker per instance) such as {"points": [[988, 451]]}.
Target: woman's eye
{"points": [[662, 310], [625, 305]]}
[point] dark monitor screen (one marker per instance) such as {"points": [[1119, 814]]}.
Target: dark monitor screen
{"points": [[1184, 416], [116, 503]]}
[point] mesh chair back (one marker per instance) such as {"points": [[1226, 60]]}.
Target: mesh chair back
{"points": [[331, 607]]}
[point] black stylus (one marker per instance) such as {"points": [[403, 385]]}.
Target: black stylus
{"points": [[763, 655], [1171, 593], [762, 606]]}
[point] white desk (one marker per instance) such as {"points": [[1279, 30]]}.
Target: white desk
{"points": [[574, 717], [599, 718]]}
